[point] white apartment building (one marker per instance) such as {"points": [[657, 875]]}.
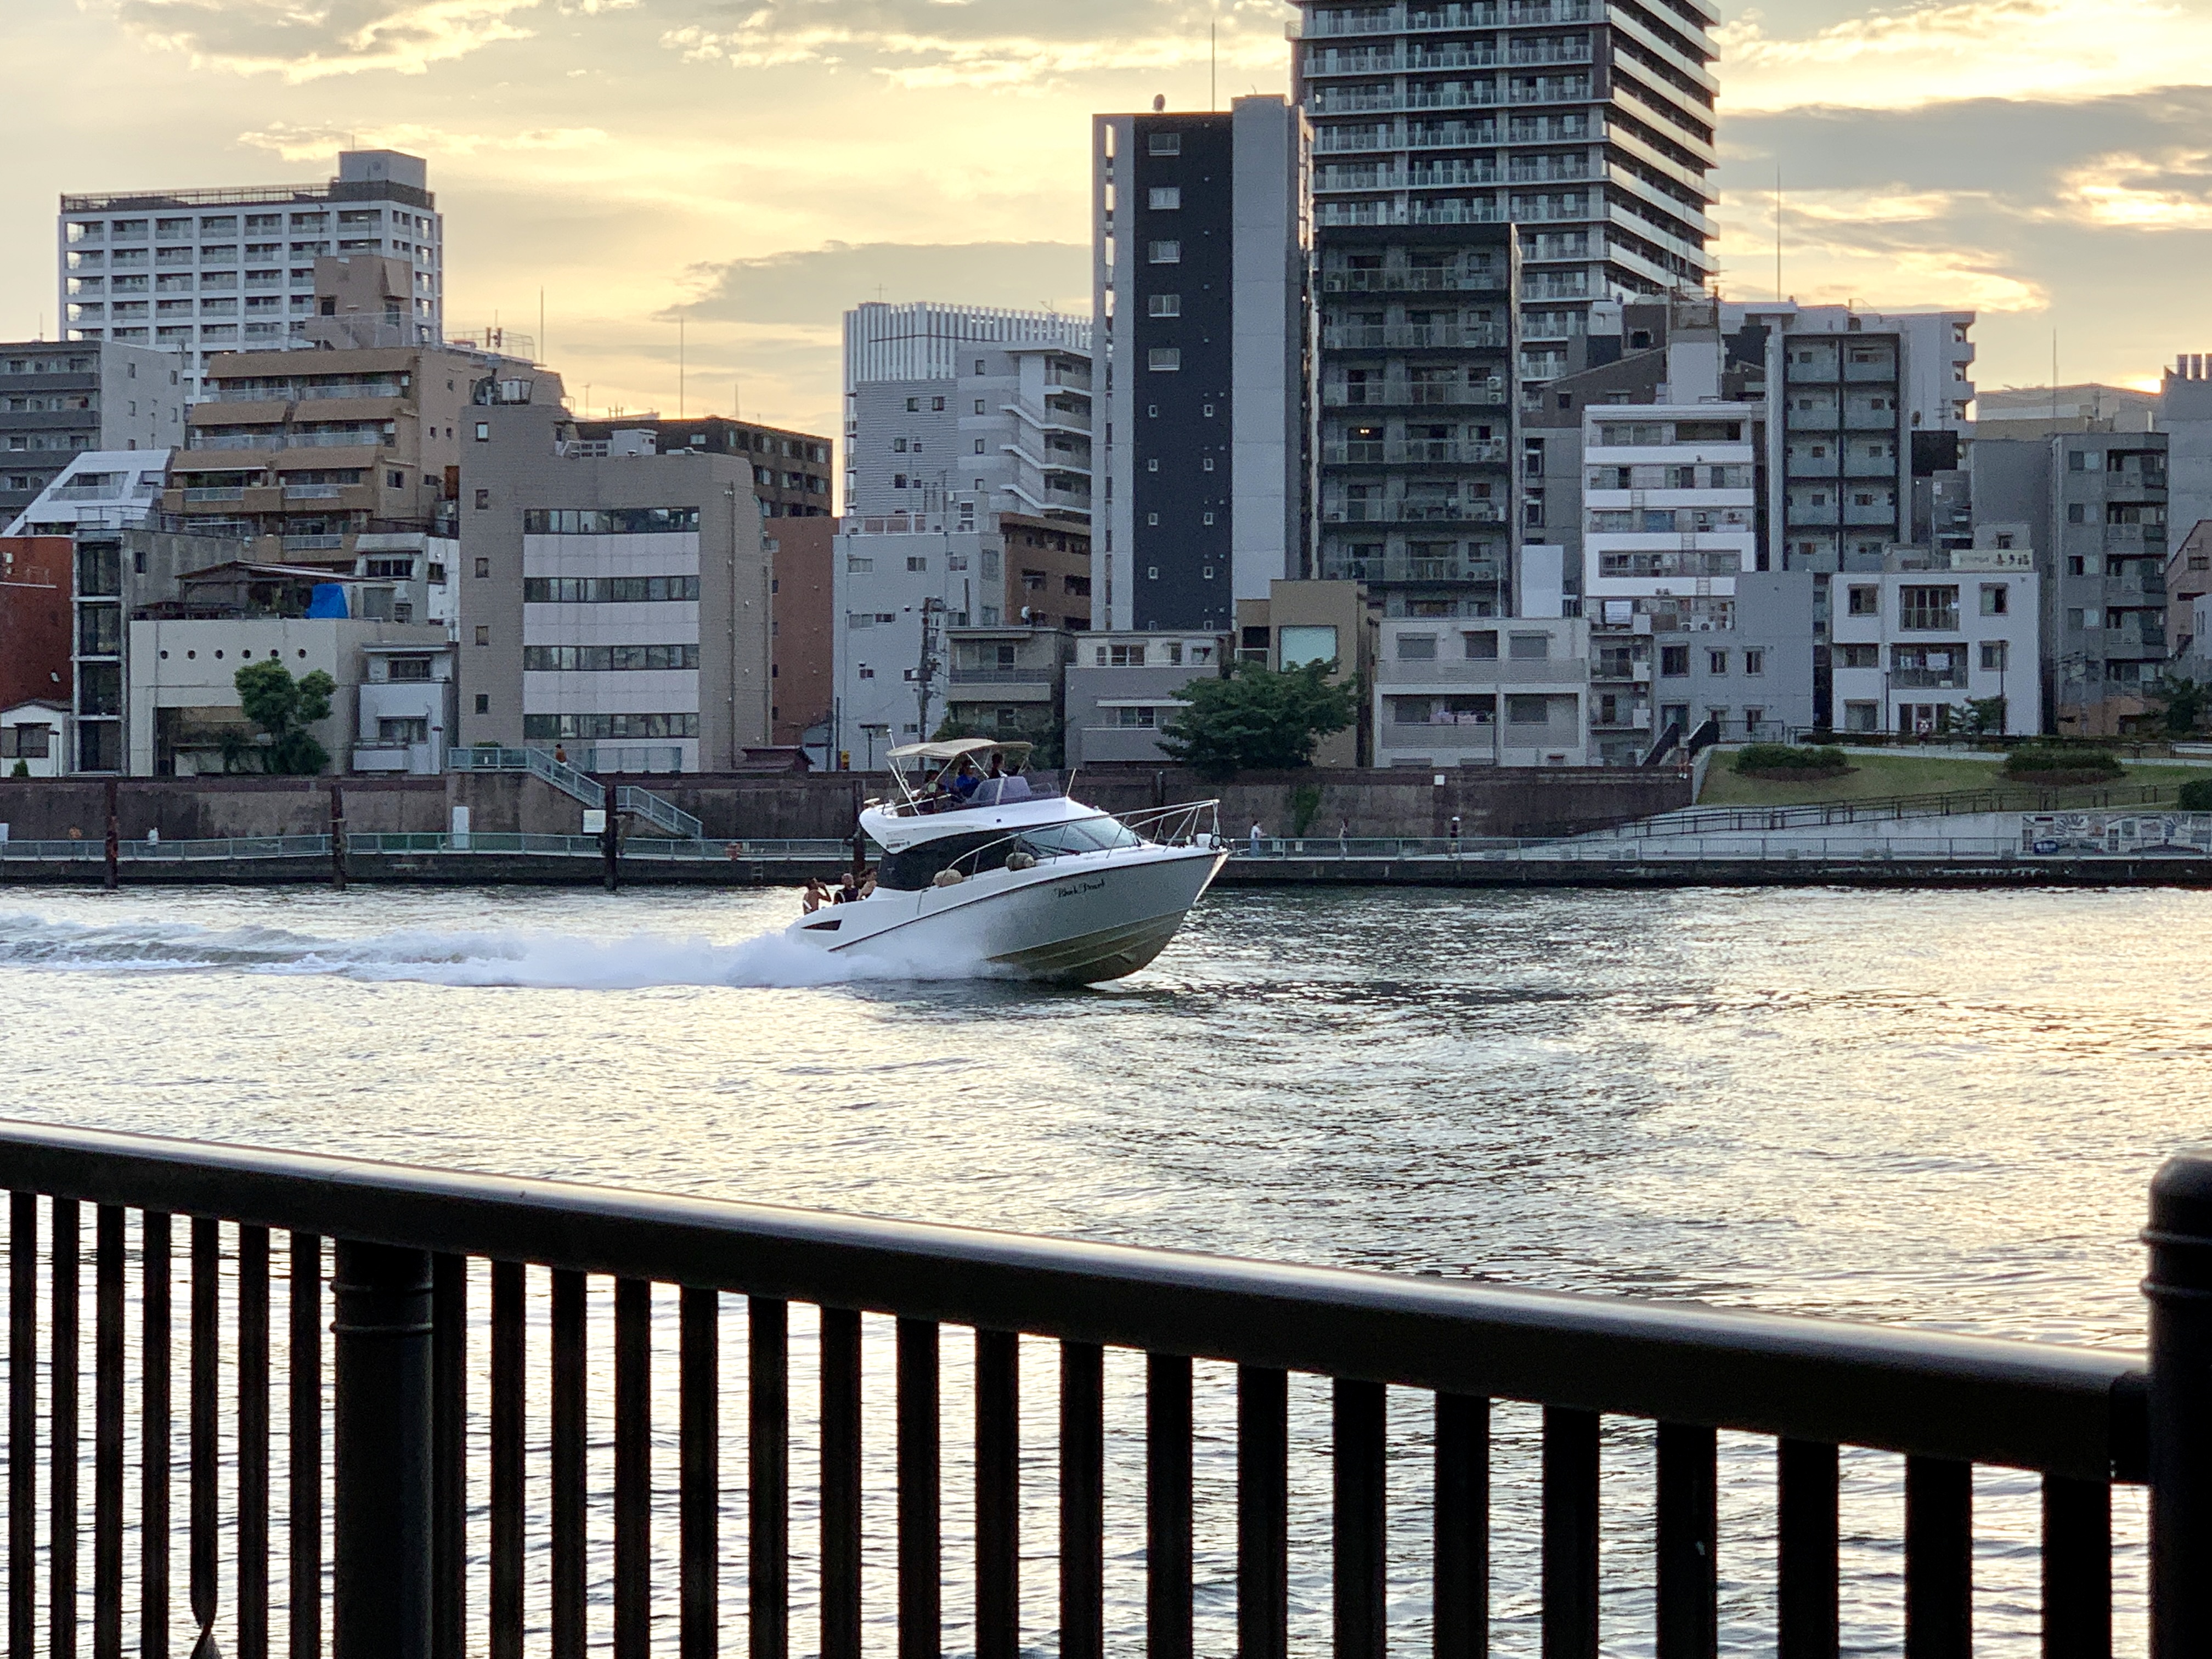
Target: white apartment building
{"points": [[895, 593], [200, 271], [1915, 644], [1507, 691], [99, 488], [967, 411]]}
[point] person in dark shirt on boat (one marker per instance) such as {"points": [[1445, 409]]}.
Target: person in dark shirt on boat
{"points": [[848, 891]]}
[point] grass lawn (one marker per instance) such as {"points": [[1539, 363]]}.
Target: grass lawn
{"points": [[1875, 777]]}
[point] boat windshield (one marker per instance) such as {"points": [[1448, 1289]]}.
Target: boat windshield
{"points": [[916, 867]]}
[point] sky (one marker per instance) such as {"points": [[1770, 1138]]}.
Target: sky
{"points": [[716, 180]]}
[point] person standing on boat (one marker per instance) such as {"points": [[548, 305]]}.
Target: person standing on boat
{"points": [[815, 895]]}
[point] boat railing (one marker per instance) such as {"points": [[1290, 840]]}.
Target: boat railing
{"points": [[1191, 823]]}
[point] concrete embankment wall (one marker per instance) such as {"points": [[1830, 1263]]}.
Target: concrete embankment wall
{"points": [[1532, 802]]}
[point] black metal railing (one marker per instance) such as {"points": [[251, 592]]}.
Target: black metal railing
{"points": [[408, 1450]]}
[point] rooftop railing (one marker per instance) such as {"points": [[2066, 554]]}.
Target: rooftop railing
{"points": [[435, 1284]]}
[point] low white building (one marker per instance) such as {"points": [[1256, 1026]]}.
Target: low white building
{"points": [[183, 692], [35, 736], [407, 711], [1492, 691], [1122, 688], [1912, 647]]}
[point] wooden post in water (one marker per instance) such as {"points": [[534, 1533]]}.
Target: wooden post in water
{"points": [[114, 837], [610, 839], [337, 836]]}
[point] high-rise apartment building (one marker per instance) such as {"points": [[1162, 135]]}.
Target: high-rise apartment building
{"points": [[966, 410], [1586, 124], [1200, 312], [197, 272], [61, 399]]}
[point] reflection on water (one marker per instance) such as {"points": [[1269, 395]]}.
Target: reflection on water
{"points": [[1939, 1108]]}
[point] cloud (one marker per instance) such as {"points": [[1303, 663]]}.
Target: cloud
{"points": [[308, 39], [815, 287], [993, 44], [2171, 191], [1926, 54], [297, 142]]}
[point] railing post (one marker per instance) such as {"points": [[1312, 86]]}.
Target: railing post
{"points": [[2180, 1286], [382, 1504]]}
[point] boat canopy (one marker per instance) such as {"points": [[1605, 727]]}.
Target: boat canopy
{"points": [[955, 748]]}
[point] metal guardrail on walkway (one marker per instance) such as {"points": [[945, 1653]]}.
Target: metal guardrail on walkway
{"points": [[413, 1245], [1954, 803]]}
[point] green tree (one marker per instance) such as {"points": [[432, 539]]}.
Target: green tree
{"points": [[2184, 701], [1985, 716], [283, 708], [1258, 718]]}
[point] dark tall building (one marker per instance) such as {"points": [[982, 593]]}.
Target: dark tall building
{"points": [[1200, 335]]}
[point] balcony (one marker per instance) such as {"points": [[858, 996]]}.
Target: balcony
{"points": [[1473, 572], [88, 493], [1420, 451], [1397, 510], [1373, 394], [312, 492], [1551, 51], [225, 492], [315, 544], [1930, 679], [1403, 280], [1413, 337], [1442, 737]]}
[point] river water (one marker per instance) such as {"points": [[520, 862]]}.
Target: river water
{"points": [[1939, 1109]]}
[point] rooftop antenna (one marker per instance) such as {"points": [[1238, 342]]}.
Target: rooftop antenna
{"points": [[541, 324], [1777, 232], [679, 365], [1213, 61]]}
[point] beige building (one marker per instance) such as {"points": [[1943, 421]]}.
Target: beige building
{"points": [[616, 607], [302, 451], [1304, 621]]}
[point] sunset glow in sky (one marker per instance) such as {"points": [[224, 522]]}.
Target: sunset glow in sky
{"points": [[760, 165]]}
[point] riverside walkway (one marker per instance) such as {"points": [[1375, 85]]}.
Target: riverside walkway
{"points": [[449, 1318]]}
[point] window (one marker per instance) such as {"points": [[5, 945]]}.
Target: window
{"points": [[1673, 660], [914, 405], [609, 590], [1927, 608], [1165, 305], [1123, 656], [1993, 599], [1417, 648], [1528, 647], [1163, 198], [1163, 359], [484, 499], [483, 567], [2078, 618], [1754, 662], [609, 520], [1165, 144], [483, 703], [1141, 717], [483, 633], [606, 658], [484, 432], [1481, 646], [1993, 655], [979, 446], [1163, 253], [2076, 514], [1528, 711], [553, 728], [917, 564], [1865, 602], [2004, 540], [1299, 645], [937, 405], [1716, 662]]}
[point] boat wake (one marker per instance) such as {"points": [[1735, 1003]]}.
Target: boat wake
{"points": [[492, 956]]}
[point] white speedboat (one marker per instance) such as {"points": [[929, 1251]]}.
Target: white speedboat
{"points": [[981, 865]]}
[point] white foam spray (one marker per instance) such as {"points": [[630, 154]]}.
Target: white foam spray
{"points": [[490, 956]]}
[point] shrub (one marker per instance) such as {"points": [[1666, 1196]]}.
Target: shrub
{"points": [[2057, 761], [2196, 796], [1756, 757]]}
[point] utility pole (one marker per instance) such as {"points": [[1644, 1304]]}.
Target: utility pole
{"points": [[926, 670]]}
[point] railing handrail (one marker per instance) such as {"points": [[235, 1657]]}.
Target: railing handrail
{"points": [[2073, 1412]]}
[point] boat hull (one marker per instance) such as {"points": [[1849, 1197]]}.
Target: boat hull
{"points": [[1075, 920]]}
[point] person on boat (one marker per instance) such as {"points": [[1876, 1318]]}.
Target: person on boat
{"points": [[867, 886], [815, 895], [998, 765], [965, 782], [847, 889]]}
